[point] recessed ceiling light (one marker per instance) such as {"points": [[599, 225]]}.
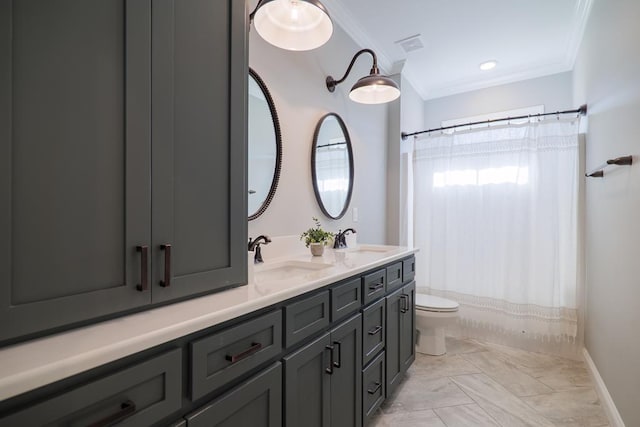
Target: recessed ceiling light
{"points": [[489, 65]]}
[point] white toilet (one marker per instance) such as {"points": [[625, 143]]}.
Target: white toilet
{"points": [[432, 315]]}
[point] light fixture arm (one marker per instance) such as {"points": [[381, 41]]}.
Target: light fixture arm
{"points": [[332, 83], [252, 14]]}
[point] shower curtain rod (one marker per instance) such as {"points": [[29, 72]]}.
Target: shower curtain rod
{"points": [[582, 110]]}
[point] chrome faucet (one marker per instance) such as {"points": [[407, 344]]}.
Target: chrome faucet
{"points": [[340, 242], [254, 246]]}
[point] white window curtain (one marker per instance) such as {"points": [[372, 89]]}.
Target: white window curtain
{"points": [[496, 221]]}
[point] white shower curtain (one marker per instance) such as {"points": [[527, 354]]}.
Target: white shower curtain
{"points": [[496, 221]]}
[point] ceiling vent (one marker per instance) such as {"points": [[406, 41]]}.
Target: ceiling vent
{"points": [[411, 44]]}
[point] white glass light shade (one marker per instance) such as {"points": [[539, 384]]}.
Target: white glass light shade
{"points": [[374, 89], [293, 24]]}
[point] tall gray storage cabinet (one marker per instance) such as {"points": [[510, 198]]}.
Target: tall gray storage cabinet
{"points": [[122, 154]]}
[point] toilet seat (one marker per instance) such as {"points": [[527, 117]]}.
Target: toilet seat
{"points": [[435, 304]]}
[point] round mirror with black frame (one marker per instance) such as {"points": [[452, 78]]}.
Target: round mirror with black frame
{"points": [[265, 147], [332, 166]]}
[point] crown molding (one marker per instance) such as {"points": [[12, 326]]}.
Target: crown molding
{"points": [[340, 15], [580, 18], [528, 72]]}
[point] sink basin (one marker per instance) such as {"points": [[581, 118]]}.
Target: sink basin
{"points": [[369, 249], [286, 270]]}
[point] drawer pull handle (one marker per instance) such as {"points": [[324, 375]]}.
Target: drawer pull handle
{"points": [[167, 266], [375, 330], [377, 287], [144, 262], [127, 408], [329, 370], [338, 344], [255, 347], [404, 303], [375, 390]]}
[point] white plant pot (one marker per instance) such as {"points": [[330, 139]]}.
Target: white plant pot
{"points": [[317, 249]]}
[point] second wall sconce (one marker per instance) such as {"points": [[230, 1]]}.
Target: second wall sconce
{"points": [[293, 24], [372, 89]]}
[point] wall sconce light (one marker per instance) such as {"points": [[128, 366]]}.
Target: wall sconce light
{"points": [[371, 89], [293, 24]]}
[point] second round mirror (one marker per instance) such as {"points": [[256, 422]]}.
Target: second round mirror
{"points": [[332, 166]]}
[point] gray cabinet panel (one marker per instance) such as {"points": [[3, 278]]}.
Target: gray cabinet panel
{"points": [[74, 159], [394, 276], [222, 357], [374, 286], [199, 156], [373, 387], [346, 299], [307, 385], [408, 269], [346, 380], [256, 403], [408, 326], [394, 367], [373, 327], [152, 390], [305, 318]]}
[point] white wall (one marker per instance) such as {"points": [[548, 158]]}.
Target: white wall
{"points": [[296, 81], [607, 78], [554, 92]]}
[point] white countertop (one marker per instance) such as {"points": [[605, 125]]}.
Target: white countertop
{"points": [[32, 364]]}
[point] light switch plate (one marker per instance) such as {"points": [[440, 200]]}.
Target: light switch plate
{"points": [[355, 215]]}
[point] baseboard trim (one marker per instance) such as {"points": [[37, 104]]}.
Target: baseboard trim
{"points": [[605, 398]]}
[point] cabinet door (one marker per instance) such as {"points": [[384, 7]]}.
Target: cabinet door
{"points": [[394, 366], [255, 403], [74, 160], [408, 326], [199, 99], [346, 380], [307, 384]]}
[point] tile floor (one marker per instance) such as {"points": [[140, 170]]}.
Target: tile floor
{"points": [[483, 384]]}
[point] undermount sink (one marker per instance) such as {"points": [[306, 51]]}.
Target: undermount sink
{"points": [[369, 249], [286, 270]]}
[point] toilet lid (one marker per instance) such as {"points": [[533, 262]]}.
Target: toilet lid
{"points": [[434, 303]]}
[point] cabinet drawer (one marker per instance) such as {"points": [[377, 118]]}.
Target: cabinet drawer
{"points": [[408, 269], [374, 285], [373, 387], [140, 395], [394, 276], [224, 356], [345, 299], [306, 317], [256, 402], [373, 330]]}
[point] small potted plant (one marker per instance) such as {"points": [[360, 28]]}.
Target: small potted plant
{"points": [[316, 238]]}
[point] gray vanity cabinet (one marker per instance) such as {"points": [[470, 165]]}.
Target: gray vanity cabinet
{"points": [[322, 380], [394, 333], [408, 326], [75, 160], [400, 334], [346, 396], [199, 70], [86, 89]]}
